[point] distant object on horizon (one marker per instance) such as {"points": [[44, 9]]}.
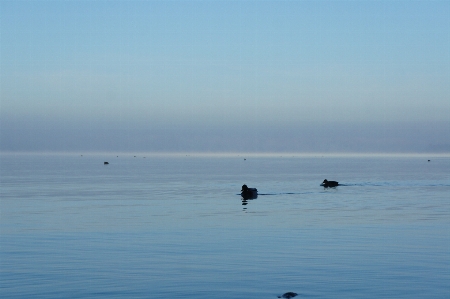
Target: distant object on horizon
{"points": [[105, 163], [326, 183], [428, 160], [249, 193]]}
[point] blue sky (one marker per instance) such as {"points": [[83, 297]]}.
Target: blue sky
{"points": [[207, 75]]}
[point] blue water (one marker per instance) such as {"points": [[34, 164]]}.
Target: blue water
{"points": [[176, 227]]}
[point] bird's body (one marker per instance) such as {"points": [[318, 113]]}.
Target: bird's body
{"points": [[249, 193], [288, 295], [326, 183]]}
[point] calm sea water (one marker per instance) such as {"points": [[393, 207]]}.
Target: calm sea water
{"points": [[176, 227]]}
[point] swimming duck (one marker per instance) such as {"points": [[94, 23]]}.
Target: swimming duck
{"points": [[288, 295], [248, 193], [326, 183]]}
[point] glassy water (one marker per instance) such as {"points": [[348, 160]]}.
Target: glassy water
{"points": [[176, 227]]}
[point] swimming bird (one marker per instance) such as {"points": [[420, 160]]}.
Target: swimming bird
{"points": [[288, 295], [326, 183], [249, 193]]}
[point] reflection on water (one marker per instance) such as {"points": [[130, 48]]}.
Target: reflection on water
{"points": [[245, 201]]}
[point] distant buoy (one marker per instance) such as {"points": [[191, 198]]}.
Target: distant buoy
{"points": [[428, 160], [105, 163]]}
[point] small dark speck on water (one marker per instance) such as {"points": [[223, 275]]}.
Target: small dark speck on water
{"points": [[288, 295]]}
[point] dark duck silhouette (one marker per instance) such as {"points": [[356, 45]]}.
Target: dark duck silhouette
{"points": [[249, 193], [326, 183], [288, 295]]}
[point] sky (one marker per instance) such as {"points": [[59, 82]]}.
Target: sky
{"points": [[225, 76]]}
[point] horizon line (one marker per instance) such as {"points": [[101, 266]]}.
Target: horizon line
{"points": [[231, 154]]}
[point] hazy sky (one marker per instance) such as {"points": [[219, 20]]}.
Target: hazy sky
{"points": [[225, 76]]}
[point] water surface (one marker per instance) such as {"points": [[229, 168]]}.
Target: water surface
{"points": [[176, 227]]}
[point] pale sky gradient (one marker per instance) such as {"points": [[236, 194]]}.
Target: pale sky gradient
{"points": [[260, 76]]}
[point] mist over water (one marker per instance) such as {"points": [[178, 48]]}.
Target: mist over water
{"points": [[242, 136]]}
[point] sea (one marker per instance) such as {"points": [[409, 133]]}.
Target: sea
{"points": [[176, 226]]}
